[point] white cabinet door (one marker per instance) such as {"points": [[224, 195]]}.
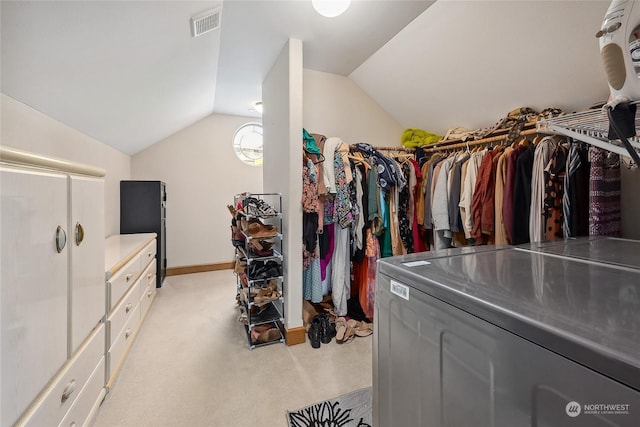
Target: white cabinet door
{"points": [[86, 243], [33, 285]]}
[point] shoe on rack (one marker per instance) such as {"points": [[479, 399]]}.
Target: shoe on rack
{"points": [[253, 251], [273, 269], [265, 333], [232, 211], [257, 207], [314, 333], [258, 229]]}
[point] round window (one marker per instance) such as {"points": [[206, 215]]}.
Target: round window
{"points": [[247, 144]]}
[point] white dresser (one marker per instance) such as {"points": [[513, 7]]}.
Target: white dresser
{"points": [[130, 265], [52, 298]]}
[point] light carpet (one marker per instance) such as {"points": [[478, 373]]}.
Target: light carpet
{"points": [[349, 410]]}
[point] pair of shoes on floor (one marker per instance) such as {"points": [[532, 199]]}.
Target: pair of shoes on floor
{"points": [[321, 330], [347, 330], [261, 334]]}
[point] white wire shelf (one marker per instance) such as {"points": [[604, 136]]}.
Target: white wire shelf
{"points": [[590, 126]]}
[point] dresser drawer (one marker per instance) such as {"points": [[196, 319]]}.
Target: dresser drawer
{"points": [[123, 311], [147, 254], [146, 298], [122, 280], [53, 403], [149, 273], [88, 400], [121, 342]]}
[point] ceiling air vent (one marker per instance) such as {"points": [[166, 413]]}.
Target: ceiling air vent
{"points": [[205, 22]]}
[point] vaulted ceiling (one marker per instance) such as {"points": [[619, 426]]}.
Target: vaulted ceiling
{"points": [[129, 74]]}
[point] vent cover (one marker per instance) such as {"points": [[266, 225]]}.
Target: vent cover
{"points": [[205, 22]]}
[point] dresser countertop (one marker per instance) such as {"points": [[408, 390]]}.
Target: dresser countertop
{"points": [[120, 248]]}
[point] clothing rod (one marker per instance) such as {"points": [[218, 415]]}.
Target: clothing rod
{"points": [[398, 148], [477, 142]]}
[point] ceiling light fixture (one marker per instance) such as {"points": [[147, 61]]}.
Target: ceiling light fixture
{"points": [[256, 107], [330, 8]]}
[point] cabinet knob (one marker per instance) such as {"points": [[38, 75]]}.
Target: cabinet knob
{"points": [[61, 239], [79, 234], [66, 393], [127, 334], [127, 308], [149, 254], [128, 277]]}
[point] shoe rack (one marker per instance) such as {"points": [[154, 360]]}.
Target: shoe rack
{"points": [[257, 238]]}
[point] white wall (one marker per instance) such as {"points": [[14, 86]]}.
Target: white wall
{"points": [[202, 174], [282, 122], [27, 129], [336, 106]]}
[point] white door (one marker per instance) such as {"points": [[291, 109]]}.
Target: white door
{"points": [[86, 242], [33, 285]]}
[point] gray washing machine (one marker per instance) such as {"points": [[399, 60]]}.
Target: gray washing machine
{"points": [[537, 335]]}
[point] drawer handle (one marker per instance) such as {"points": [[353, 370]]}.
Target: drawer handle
{"points": [[66, 393], [79, 234], [149, 294], [61, 239], [127, 308], [149, 254], [149, 276], [127, 334], [128, 277]]}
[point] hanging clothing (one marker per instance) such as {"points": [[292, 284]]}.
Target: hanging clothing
{"points": [[455, 188], [418, 244], [575, 202], [482, 204], [312, 283], [440, 204], [553, 194], [359, 226], [319, 161], [389, 174], [466, 198], [368, 294], [522, 196], [341, 271], [343, 208], [501, 178], [544, 150], [509, 188], [404, 223], [427, 185], [386, 246], [604, 193], [326, 244]]}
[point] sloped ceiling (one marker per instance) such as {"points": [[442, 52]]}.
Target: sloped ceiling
{"points": [[469, 63], [129, 73]]}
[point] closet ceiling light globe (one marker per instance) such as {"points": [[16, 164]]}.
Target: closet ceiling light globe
{"points": [[330, 8]]}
